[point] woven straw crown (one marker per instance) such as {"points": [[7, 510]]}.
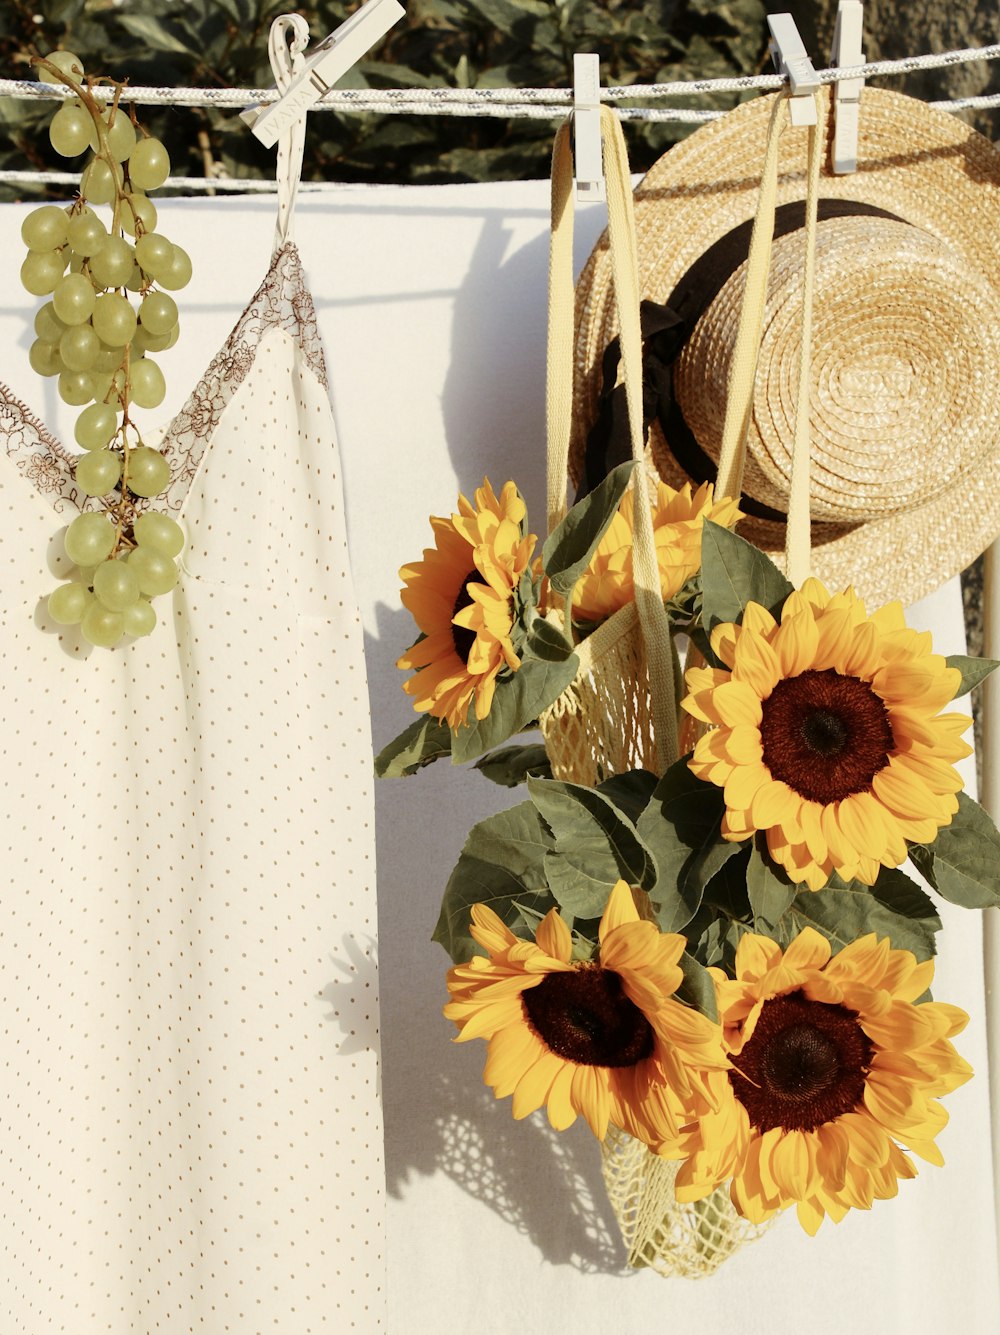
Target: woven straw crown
{"points": [[904, 388]]}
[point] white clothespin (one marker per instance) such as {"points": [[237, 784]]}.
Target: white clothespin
{"points": [[847, 53], [790, 59], [329, 62], [588, 160]]}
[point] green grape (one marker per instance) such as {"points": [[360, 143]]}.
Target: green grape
{"points": [[41, 271], [65, 61], [96, 426], [102, 627], [70, 130], [107, 388], [85, 575], [48, 325], [121, 134], [160, 532], [79, 347], [137, 281], [98, 472], [154, 253], [136, 207], [148, 385], [145, 342], [109, 360], [98, 181], [179, 273], [140, 618], [74, 298], [89, 539], [44, 228], [156, 573], [116, 584], [114, 319], [44, 359], [158, 312], [87, 233], [113, 264], [75, 388], [148, 472], [68, 603], [149, 165]]}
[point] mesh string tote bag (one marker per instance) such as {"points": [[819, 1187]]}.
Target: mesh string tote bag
{"points": [[611, 718], [619, 712]]}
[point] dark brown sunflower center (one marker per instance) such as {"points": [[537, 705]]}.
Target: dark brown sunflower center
{"points": [[825, 735], [463, 638], [585, 1017], [805, 1064]]}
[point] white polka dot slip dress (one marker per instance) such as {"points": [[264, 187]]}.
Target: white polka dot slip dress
{"points": [[189, 1115]]}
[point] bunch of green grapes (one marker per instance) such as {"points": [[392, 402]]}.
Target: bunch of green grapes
{"points": [[109, 306]]}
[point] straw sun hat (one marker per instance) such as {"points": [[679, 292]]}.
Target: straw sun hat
{"points": [[905, 374]]}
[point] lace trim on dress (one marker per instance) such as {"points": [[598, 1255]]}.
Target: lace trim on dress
{"points": [[281, 302], [38, 456]]}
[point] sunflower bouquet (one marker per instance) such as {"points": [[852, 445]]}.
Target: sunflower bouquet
{"points": [[721, 960], [726, 962]]}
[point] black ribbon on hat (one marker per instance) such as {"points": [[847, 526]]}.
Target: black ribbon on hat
{"points": [[665, 330]]}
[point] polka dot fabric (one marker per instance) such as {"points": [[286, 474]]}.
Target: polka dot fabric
{"points": [[188, 1000]]}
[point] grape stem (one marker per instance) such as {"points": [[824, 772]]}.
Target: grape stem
{"points": [[122, 510]]}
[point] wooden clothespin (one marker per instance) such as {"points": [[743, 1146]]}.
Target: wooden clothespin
{"points": [[790, 59], [329, 62], [847, 52], [588, 158]]}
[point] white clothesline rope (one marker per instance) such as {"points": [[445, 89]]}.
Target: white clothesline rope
{"points": [[535, 103], [505, 103]]}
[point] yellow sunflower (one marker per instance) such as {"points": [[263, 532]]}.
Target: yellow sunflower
{"points": [[605, 1039], [826, 734], [678, 518], [463, 596], [833, 1063]]}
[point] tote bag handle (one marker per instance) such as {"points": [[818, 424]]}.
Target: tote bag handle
{"points": [[655, 627]]}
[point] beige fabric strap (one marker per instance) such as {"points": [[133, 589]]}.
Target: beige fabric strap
{"points": [[746, 353], [559, 364], [798, 538], [559, 398]]}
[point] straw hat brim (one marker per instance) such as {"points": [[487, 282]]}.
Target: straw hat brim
{"points": [[923, 166]]}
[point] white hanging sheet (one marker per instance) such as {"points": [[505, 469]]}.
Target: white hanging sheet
{"points": [[431, 304]]}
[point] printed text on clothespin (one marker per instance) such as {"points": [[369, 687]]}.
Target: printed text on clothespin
{"points": [[329, 62]]}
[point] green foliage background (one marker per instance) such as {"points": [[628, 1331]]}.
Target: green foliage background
{"points": [[442, 43]]}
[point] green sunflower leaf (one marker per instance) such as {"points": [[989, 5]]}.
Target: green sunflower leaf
{"points": [[973, 670], [895, 891], [630, 792], [890, 908], [963, 862], [734, 573], [713, 939], [511, 765], [502, 866], [770, 891], [517, 702], [572, 543], [697, 989], [424, 741], [726, 892], [596, 845], [681, 827], [547, 642]]}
